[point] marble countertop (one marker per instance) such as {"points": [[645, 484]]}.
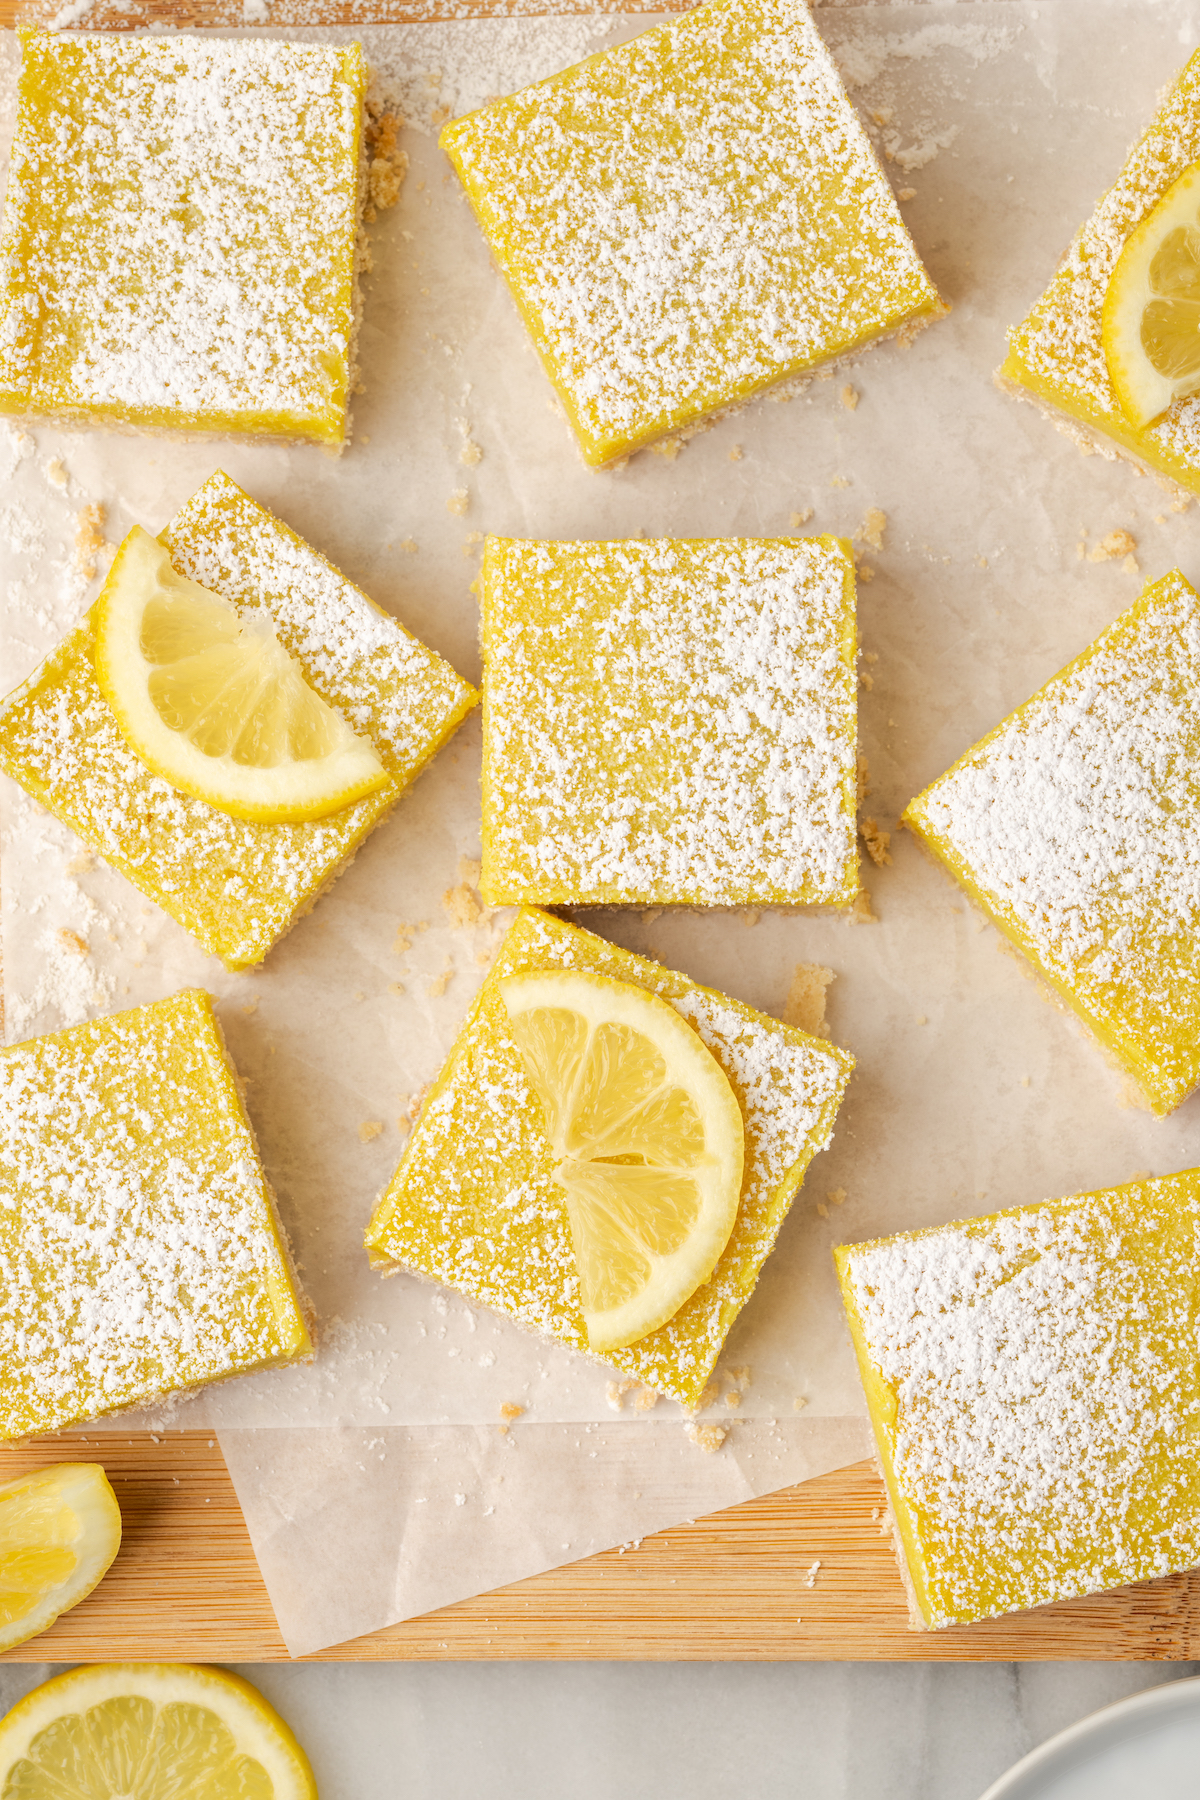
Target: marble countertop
{"points": [[832, 1731]]}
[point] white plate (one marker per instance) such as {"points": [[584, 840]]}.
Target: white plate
{"points": [[1147, 1745]]}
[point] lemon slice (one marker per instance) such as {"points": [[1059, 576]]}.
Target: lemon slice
{"points": [[1151, 320], [647, 1139], [149, 1731], [211, 701], [59, 1530]]}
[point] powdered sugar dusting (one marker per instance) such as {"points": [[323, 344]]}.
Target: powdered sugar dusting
{"points": [[474, 1202], [669, 722], [1044, 1369], [1077, 818], [137, 1253], [688, 217]]}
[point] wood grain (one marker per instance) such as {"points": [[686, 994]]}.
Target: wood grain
{"points": [[729, 1587]]}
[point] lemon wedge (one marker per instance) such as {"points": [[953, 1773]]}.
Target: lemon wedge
{"points": [[150, 1731], [1150, 325], [211, 701], [59, 1530], [647, 1139]]}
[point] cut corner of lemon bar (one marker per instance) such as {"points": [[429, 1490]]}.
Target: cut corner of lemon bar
{"points": [[636, 176], [149, 1729], [128, 1156], [1080, 837], [1032, 1382], [615, 1220], [349, 672], [247, 152], [60, 1529], [589, 801], [1109, 350]]}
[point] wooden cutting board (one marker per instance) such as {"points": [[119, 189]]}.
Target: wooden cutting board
{"points": [[730, 1587]]}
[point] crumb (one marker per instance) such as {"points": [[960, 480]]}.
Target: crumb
{"points": [[508, 1412], [822, 1210], [872, 528], [458, 502], [876, 841], [811, 1573], [645, 1399], [1112, 545], [56, 472], [735, 455], [370, 1128], [89, 538], [1180, 503], [388, 164], [1141, 1175], [750, 917], [79, 865], [882, 115], [470, 543], [921, 1019], [836, 1196], [871, 656], [463, 905], [1160, 518], [799, 1403], [864, 571], [440, 983], [470, 454], [1024, 1081], [864, 778], [741, 1375], [861, 912], [250, 1008], [981, 562], [733, 1399], [839, 481], [397, 988], [74, 942], [709, 1397], [469, 870], [668, 447], [651, 913], [409, 546], [1080, 548], [805, 1003], [849, 398], [708, 1438], [906, 194], [615, 1392], [798, 519], [1130, 565], [405, 935]]}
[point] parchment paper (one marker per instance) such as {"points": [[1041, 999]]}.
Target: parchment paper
{"points": [[376, 1483]]}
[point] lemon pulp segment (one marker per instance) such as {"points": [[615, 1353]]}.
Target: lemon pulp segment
{"points": [[1076, 825], [1034, 1389], [138, 1234], [689, 217], [647, 1140], [237, 885], [150, 1731], [214, 704], [1079, 352], [1151, 320], [60, 1529], [179, 238], [669, 722], [475, 1203]]}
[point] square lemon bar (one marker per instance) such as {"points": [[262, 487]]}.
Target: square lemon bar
{"points": [[1034, 1387], [139, 1244], [1075, 824], [669, 721], [235, 884], [179, 234], [1056, 355], [474, 1203], [688, 218]]}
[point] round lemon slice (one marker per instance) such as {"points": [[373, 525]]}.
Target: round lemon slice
{"points": [[1151, 320], [213, 703], [647, 1139], [59, 1531], [150, 1731]]}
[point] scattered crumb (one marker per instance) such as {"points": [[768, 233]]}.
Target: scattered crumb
{"points": [[876, 841], [463, 905], [906, 193], [805, 1004], [708, 1438], [615, 1392], [866, 680], [742, 1375], [922, 1019], [405, 935], [849, 398], [836, 1196], [89, 538], [645, 1399], [1180, 503], [471, 542], [409, 546], [811, 1573], [458, 502], [370, 1128], [1140, 1175], [250, 1008], [861, 912], [822, 1210], [1112, 545], [798, 519], [388, 164], [508, 1412], [872, 528], [1131, 566], [799, 1403], [735, 455], [864, 778], [1160, 518], [750, 917], [440, 983], [839, 481], [1024, 1081], [733, 1399], [668, 448], [981, 562], [397, 988], [863, 570], [74, 942], [710, 1396], [79, 865], [56, 472], [470, 454]]}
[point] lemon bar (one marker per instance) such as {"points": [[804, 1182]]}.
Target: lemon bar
{"points": [[1056, 355], [1076, 825], [688, 218], [139, 1245], [236, 885], [1034, 1389], [179, 234], [474, 1204], [669, 721]]}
